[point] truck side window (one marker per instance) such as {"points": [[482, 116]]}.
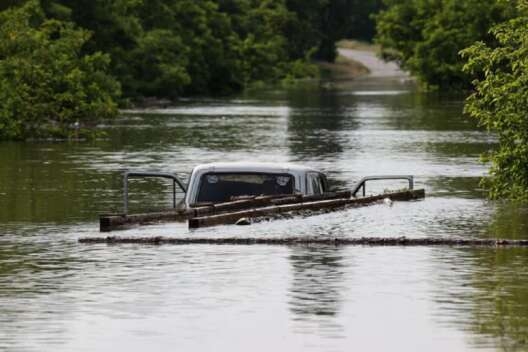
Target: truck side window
{"points": [[314, 183]]}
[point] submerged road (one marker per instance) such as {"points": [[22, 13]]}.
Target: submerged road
{"points": [[376, 66]]}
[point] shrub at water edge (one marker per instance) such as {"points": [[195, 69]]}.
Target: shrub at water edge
{"points": [[500, 103], [47, 87]]}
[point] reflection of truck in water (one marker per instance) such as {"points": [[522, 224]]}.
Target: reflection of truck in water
{"points": [[223, 193]]}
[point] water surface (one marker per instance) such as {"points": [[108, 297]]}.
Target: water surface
{"points": [[57, 295]]}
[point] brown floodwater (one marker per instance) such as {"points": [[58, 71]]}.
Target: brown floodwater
{"points": [[59, 295]]}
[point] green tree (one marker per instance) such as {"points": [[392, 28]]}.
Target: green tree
{"points": [[500, 102], [157, 65], [316, 25], [425, 36], [115, 29], [362, 24], [214, 47], [168, 48], [334, 24], [47, 87], [302, 29]]}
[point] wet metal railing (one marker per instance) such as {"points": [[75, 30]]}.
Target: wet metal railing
{"points": [[129, 174], [362, 183]]}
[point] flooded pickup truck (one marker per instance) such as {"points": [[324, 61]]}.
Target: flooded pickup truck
{"points": [[223, 182], [224, 193]]}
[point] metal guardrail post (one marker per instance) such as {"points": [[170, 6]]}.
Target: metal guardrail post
{"points": [[125, 193], [175, 181], [173, 194]]}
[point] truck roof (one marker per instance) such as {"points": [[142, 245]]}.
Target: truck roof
{"points": [[251, 167]]}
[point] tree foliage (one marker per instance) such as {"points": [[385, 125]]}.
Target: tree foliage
{"points": [[362, 25], [425, 36], [318, 24], [500, 102], [65, 52], [46, 84], [167, 48], [184, 47]]}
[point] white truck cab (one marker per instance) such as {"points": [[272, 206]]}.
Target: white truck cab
{"points": [[222, 182]]}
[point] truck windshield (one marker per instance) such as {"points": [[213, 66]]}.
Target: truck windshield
{"points": [[224, 187]]}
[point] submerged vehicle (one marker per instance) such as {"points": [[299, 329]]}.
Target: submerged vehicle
{"points": [[222, 193], [223, 182]]}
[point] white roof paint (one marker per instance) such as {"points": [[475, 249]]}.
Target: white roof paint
{"points": [[252, 167]]}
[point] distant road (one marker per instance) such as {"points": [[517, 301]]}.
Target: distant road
{"points": [[376, 66]]}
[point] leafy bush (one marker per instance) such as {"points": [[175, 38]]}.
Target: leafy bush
{"points": [[425, 36], [47, 87], [168, 48], [500, 103]]}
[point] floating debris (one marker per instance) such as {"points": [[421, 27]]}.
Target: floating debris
{"points": [[243, 221], [388, 201]]}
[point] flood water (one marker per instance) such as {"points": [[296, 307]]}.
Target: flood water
{"points": [[59, 295]]}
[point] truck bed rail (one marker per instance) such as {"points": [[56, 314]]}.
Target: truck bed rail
{"points": [[362, 183], [128, 174]]}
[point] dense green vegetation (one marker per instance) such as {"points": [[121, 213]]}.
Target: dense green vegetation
{"points": [[465, 45], [68, 58], [362, 24], [500, 102], [185, 47], [425, 36], [46, 85]]}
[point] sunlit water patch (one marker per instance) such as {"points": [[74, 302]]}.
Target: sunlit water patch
{"points": [[216, 110], [377, 92]]}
